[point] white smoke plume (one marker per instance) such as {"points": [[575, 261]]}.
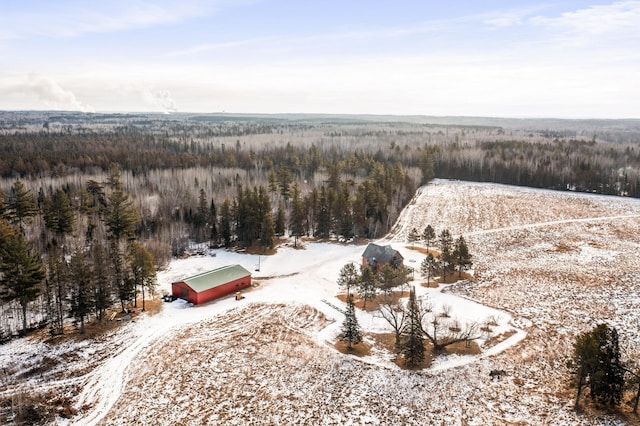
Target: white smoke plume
{"points": [[161, 99], [46, 90]]}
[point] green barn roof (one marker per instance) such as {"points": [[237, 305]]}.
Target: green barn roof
{"points": [[216, 277]]}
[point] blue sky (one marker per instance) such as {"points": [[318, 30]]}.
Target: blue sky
{"points": [[568, 59]]}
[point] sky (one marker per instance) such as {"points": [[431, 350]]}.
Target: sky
{"points": [[498, 58]]}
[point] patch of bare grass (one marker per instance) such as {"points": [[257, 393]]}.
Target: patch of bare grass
{"points": [[360, 349], [372, 305]]}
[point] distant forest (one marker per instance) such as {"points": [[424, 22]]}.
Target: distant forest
{"points": [[90, 201]]}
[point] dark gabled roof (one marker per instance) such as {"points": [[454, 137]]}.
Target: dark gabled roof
{"points": [[216, 277], [382, 254]]}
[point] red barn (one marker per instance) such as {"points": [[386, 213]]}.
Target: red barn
{"points": [[212, 285]]}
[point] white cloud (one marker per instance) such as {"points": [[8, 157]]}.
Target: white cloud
{"points": [[616, 21], [45, 90], [78, 18]]}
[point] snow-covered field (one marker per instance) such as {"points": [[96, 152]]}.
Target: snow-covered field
{"points": [[547, 265]]}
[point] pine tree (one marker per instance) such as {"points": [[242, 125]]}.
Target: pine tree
{"points": [[323, 219], [212, 220], [81, 294], [280, 223], [58, 213], [351, 332], [267, 233], [296, 220], [143, 270], [284, 182], [595, 363], [102, 293], [121, 216], [428, 235], [225, 223], [348, 277], [20, 205], [428, 265], [413, 343], [446, 259], [461, 256], [413, 236], [20, 271], [367, 287]]}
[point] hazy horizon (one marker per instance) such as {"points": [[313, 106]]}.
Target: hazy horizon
{"points": [[562, 60]]}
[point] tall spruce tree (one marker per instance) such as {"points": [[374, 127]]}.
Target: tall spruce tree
{"points": [[81, 288], [367, 287], [413, 236], [351, 332], [461, 255], [428, 235], [595, 363], [413, 342], [143, 270], [446, 255], [296, 220], [20, 270], [20, 205], [428, 266], [58, 213], [348, 277], [102, 290]]}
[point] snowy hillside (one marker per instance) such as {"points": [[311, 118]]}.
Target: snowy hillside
{"points": [[547, 265]]}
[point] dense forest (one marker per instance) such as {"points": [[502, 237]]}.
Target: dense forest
{"points": [[93, 204]]}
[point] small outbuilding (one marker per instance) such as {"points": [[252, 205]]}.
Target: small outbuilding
{"points": [[376, 256], [212, 284]]}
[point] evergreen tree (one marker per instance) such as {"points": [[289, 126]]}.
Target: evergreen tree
{"points": [[121, 280], [461, 256], [351, 333], [56, 289], [428, 235], [596, 363], [426, 167], [428, 266], [212, 220], [58, 213], [20, 271], [81, 294], [367, 285], [284, 182], [323, 219], [267, 233], [143, 270], [273, 181], [225, 223], [20, 205], [296, 220], [121, 216], [280, 223], [446, 256], [102, 293], [348, 277], [413, 343], [413, 236]]}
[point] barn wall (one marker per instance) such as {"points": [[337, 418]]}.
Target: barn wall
{"points": [[176, 290], [223, 290]]}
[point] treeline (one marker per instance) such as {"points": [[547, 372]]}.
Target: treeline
{"points": [[562, 164], [605, 162], [70, 257], [94, 243]]}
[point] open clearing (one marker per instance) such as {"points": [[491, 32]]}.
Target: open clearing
{"points": [[547, 265]]}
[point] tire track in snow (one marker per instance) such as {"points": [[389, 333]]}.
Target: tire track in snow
{"points": [[551, 223], [105, 385]]}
